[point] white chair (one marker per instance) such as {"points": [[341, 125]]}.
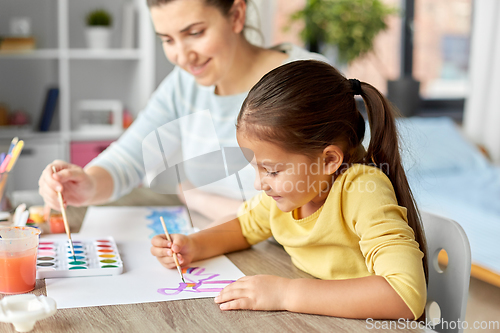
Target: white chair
{"points": [[448, 287]]}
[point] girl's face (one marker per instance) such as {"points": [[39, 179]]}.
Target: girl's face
{"points": [[198, 37], [292, 180]]}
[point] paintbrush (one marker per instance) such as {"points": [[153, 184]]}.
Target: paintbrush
{"points": [[173, 253], [65, 220]]}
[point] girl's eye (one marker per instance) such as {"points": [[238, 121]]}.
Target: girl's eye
{"points": [[272, 174]]}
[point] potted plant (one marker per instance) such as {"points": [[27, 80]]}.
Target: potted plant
{"points": [[344, 30], [350, 26], [98, 30]]}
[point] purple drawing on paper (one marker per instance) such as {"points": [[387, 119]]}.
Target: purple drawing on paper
{"points": [[198, 282]]}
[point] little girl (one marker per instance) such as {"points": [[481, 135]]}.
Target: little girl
{"points": [[345, 215]]}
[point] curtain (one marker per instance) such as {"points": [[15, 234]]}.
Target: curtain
{"points": [[482, 107]]}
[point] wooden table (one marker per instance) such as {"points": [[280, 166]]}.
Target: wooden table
{"points": [[195, 315]]}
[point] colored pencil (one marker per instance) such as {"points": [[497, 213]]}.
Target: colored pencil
{"points": [[15, 155], [65, 220], [6, 161], [173, 253], [13, 143]]}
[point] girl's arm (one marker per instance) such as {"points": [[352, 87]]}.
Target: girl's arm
{"points": [[367, 297], [223, 238], [211, 242]]}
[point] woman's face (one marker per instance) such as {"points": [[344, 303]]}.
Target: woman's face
{"points": [[198, 37]]}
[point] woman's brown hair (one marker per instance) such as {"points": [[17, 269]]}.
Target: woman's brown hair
{"points": [[223, 5], [305, 106]]}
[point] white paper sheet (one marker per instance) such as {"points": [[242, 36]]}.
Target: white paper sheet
{"points": [[132, 223], [144, 279]]}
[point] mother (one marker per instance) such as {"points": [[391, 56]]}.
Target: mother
{"points": [[215, 67]]}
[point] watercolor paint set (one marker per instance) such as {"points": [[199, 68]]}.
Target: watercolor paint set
{"points": [[93, 257]]}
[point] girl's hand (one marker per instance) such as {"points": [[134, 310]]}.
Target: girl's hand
{"points": [[259, 292], [182, 245]]}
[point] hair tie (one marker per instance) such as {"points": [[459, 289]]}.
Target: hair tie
{"points": [[356, 86]]}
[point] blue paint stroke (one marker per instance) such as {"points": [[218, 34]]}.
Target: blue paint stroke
{"points": [[174, 220]]}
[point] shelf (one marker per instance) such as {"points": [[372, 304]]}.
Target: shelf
{"points": [[94, 136], [30, 54], [23, 133], [63, 59], [112, 54], [115, 54]]}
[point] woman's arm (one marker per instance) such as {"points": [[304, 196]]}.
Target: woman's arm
{"points": [[103, 185], [367, 297], [214, 207]]}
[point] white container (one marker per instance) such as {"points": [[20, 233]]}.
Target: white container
{"points": [[25, 310], [98, 38]]}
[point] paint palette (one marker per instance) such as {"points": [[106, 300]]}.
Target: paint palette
{"points": [[93, 257]]}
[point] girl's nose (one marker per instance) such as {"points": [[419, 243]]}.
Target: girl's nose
{"points": [[265, 187], [261, 185], [257, 183]]}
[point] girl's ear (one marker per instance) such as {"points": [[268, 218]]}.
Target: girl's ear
{"points": [[333, 157], [238, 15]]}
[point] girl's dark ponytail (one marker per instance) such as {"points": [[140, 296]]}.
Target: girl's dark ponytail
{"points": [[383, 152]]}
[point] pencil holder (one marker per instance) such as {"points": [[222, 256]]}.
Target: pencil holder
{"points": [[5, 204]]}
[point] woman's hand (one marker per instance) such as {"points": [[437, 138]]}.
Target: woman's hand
{"points": [[259, 292], [76, 186], [182, 245]]}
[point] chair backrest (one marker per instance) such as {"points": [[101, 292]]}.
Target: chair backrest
{"points": [[448, 287]]}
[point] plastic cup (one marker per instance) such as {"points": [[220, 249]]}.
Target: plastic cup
{"points": [[18, 249]]}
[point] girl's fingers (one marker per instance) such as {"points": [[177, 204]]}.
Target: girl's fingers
{"points": [[180, 259], [230, 293], [161, 252], [160, 241], [178, 242], [237, 304], [167, 262]]}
